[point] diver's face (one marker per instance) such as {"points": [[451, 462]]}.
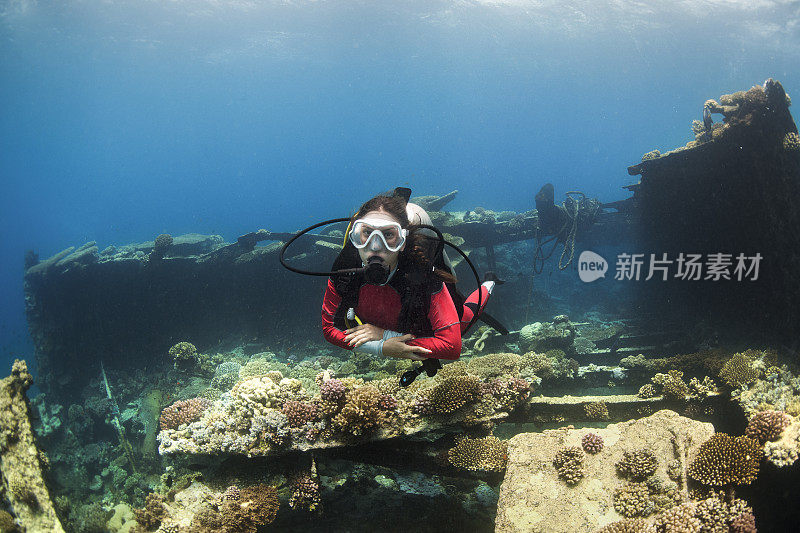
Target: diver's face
{"points": [[389, 258]]}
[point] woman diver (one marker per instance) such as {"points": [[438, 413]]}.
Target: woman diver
{"points": [[399, 304]]}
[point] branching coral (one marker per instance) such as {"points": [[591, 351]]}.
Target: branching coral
{"points": [[361, 412], [637, 465], [633, 499], [494, 365], [183, 412], [647, 391], [486, 454], [257, 506], [592, 443], [305, 493], [679, 519], [298, 413], [725, 460], [767, 425], [739, 370], [454, 393], [569, 464], [596, 410], [153, 512], [184, 354], [672, 384]]}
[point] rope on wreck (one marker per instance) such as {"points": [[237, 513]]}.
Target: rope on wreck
{"points": [[126, 446]]}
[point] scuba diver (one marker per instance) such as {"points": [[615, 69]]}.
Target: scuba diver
{"points": [[391, 290]]}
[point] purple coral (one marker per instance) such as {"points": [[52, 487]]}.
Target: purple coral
{"points": [[299, 413], [387, 402], [767, 425], [183, 412], [422, 406], [332, 391], [592, 443], [520, 386], [492, 388]]}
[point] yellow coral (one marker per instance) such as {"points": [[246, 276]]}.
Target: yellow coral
{"points": [[487, 454], [725, 460], [454, 393], [494, 365], [361, 412], [739, 370]]}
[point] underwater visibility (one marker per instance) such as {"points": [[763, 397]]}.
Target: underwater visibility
{"points": [[432, 266]]}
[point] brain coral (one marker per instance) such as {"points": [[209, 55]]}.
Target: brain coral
{"points": [[739, 371], [454, 393], [725, 460], [637, 465], [767, 425], [569, 464], [487, 454]]}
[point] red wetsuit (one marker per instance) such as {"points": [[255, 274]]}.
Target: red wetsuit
{"points": [[380, 306]]}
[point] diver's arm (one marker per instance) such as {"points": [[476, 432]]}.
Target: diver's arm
{"points": [[330, 303], [446, 340]]}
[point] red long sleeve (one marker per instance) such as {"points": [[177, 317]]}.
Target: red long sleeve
{"points": [[330, 303]]}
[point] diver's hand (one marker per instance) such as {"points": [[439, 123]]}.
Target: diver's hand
{"points": [[397, 347], [360, 334]]}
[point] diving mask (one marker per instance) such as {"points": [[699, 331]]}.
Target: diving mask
{"points": [[377, 234]]}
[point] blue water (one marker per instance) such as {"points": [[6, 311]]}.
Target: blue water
{"points": [[122, 120]]}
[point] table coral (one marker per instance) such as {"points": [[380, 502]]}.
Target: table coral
{"points": [[725, 460], [486, 454], [494, 365]]}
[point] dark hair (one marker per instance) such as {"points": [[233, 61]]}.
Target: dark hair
{"points": [[416, 261]]}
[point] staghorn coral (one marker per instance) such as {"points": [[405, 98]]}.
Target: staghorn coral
{"points": [[672, 384], [767, 425], [592, 443], [494, 365], [569, 464], [305, 493], [361, 412], [298, 413], [183, 412], [486, 454], [633, 499], [637, 465], [739, 371], [596, 410], [725, 460], [257, 506], [454, 393]]}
